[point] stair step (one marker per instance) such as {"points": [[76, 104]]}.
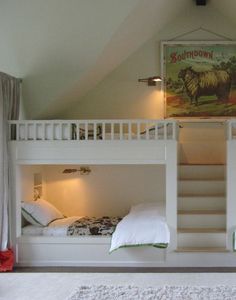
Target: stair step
{"points": [[201, 221], [201, 188], [202, 230], [201, 172], [201, 212], [200, 202], [202, 249], [205, 239]]}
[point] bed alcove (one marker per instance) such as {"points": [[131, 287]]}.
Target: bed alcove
{"points": [[109, 190]]}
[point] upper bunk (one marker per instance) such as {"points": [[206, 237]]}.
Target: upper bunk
{"points": [[92, 141]]}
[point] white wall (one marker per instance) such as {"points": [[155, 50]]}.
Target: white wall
{"points": [[108, 190], [27, 181], [120, 95], [51, 43]]}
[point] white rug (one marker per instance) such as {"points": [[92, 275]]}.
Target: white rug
{"points": [[106, 292]]}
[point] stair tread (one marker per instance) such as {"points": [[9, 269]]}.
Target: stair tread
{"points": [[201, 212], [200, 196], [201, 230], [194, 164], [204, 180], [201, 249]]}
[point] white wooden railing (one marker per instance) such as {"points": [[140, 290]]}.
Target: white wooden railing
{"points": [[80, 130]]}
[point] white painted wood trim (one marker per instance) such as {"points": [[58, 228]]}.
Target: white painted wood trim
{"points": [[55, 130], [171, 192]]}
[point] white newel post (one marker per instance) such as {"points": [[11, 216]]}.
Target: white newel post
{"points": [[231, 192], [171, 192]]}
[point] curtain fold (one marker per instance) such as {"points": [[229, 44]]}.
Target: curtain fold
{"points": [[9, 110]]}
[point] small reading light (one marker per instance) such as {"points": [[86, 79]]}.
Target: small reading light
{"points": [[81, 170], [151, 81]]}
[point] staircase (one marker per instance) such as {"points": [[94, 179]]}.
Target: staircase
{"points": [[202, 187], [201, 208]]}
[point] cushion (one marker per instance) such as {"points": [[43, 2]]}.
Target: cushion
{"points": [[40, 212]]}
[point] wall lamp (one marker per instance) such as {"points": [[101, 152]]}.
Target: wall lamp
{"points": [[151, 81], [81, 170]]}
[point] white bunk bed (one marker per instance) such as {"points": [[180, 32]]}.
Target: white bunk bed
{"points": [[98, 142]]}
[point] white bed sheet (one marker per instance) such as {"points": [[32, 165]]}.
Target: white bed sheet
{"points": [[55, 228]]}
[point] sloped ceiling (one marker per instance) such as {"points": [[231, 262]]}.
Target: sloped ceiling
{"points": [[62, 49]]}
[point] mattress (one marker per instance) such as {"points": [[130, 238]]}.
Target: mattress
{"points": [[74, 226]]}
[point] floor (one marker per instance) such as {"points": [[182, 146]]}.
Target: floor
{"points": [[123, 270], [49, 286]]}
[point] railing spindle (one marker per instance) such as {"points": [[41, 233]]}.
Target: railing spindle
{"points": [[165, 132], [138, 131], [103, 130], [147, 131], [86, 131], [121, 130], [112, 131], [129, 130]]}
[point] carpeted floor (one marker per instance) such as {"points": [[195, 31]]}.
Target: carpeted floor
{"points": [[106, 292], [59, 286]]}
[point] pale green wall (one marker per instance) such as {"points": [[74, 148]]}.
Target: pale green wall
{"points": [[52, 43], [120, 95]]}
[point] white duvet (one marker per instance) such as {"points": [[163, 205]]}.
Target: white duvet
{"points": [[144, 225]]}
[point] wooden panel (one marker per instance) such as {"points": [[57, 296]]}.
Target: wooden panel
{"points": [[51, 251], [90, 152]]}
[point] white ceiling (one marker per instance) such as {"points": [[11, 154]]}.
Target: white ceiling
{"points": [[62, 49]]}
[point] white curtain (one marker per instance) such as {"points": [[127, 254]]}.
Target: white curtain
{"points": [[9, 110]]}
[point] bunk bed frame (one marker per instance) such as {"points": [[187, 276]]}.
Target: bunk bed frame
{"points": [[108, 142], [97, 142]]}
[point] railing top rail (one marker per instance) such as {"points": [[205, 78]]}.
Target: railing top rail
{"points": [[94, 121]]}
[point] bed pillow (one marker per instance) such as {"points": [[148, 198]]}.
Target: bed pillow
{"points": [[150, 206], [40, 212]]}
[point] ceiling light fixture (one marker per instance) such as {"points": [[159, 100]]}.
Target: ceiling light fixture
{"points": [[151, 81]]}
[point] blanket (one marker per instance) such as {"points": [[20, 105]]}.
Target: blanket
{"points": [[143, 226], [93, 226]]}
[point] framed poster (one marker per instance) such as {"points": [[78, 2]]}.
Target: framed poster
{"points": [[199, 79]]}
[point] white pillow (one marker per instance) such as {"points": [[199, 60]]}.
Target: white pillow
{"points": [[150, 206], [40, 212]]}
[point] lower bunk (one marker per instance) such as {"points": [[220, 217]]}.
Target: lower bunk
{"points": [[138, 239]]}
